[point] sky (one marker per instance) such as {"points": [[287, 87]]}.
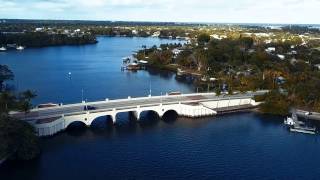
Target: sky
{"points": [[214, 11]]}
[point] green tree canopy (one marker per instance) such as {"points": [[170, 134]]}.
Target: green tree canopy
{"points": [[5, 75], [203, 38]]}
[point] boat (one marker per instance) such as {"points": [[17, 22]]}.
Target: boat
{"points": [[180, 72], [133, 66], [20, 48], [298, 126], [3, 48]]}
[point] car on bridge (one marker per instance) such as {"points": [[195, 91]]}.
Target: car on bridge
{"points": [[88, 108]]}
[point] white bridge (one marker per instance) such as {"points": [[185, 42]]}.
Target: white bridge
{"points": [[49, 121]]}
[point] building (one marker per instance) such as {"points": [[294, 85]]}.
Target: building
{"points": [[282, 57], [270, 49]]}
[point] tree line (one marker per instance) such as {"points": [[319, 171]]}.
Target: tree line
{"points": [[18, 138]]}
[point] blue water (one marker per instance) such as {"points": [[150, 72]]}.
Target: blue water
{"points": [[95, 69], [235, 146]]}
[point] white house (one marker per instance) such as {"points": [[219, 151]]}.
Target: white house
{"points": [[280, 56], [317, 66], [39, 29], [156, 34], [176, 51], [135, 32], [270, 49]]}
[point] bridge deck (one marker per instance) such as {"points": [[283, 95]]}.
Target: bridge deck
{"points": [[73, 109]]}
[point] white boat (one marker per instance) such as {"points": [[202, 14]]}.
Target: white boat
{"points": [[289, 121], [293, 120], [3, 48], [20, 48]]}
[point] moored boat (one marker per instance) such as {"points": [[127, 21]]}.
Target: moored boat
{"points": [[20, 48], [3, 48], [180, 72]]}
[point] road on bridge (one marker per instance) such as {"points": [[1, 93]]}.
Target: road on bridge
{"points": [[79, 108]]}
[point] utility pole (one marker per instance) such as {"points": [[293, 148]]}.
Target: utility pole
{"points": [[81, 95], [150, 91]]}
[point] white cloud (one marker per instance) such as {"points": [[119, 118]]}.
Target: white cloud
{"points": [[271, 11]]}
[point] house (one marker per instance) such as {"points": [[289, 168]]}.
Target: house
{"points": [[270, 49], [280, 80], [134, 32], [250, 51], [176, 52], [317, 66], [268, 41], [156, 34], [280, 56], [39, 29], [293, 61], [215, 36]]}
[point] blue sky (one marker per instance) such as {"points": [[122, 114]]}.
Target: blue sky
{"points": [[232, 11]]}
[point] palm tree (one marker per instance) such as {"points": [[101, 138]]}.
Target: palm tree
{"points": [[28, 95], [6, 99], [25, 99]]}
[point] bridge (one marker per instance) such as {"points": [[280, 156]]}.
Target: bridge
{"points": [[51, 120]]}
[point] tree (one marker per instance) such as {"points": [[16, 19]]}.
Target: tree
{"points": [[18, 139], [203, 38], [28, 95], [5, 75], [7, 101]]}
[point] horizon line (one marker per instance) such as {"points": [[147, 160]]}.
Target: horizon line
{"points": [[176, 22]]}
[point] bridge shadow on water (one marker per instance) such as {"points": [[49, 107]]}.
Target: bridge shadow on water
{"points": [[125, 123], [102, 125], [77, 128], [170, 117], [149, 119]]}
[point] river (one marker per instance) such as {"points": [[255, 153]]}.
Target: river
{"points": [[242, 145]]}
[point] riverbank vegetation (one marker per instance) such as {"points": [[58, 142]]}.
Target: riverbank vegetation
{"points": [[223, 58], [287, 66], [18, 138], [41, 39]]}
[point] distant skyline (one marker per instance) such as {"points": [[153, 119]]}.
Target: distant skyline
{"points": [[211, 11]]}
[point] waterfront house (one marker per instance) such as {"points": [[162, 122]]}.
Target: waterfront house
{"points": [[282, 57], [270, 49], [317, 66], [176, 52]]}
